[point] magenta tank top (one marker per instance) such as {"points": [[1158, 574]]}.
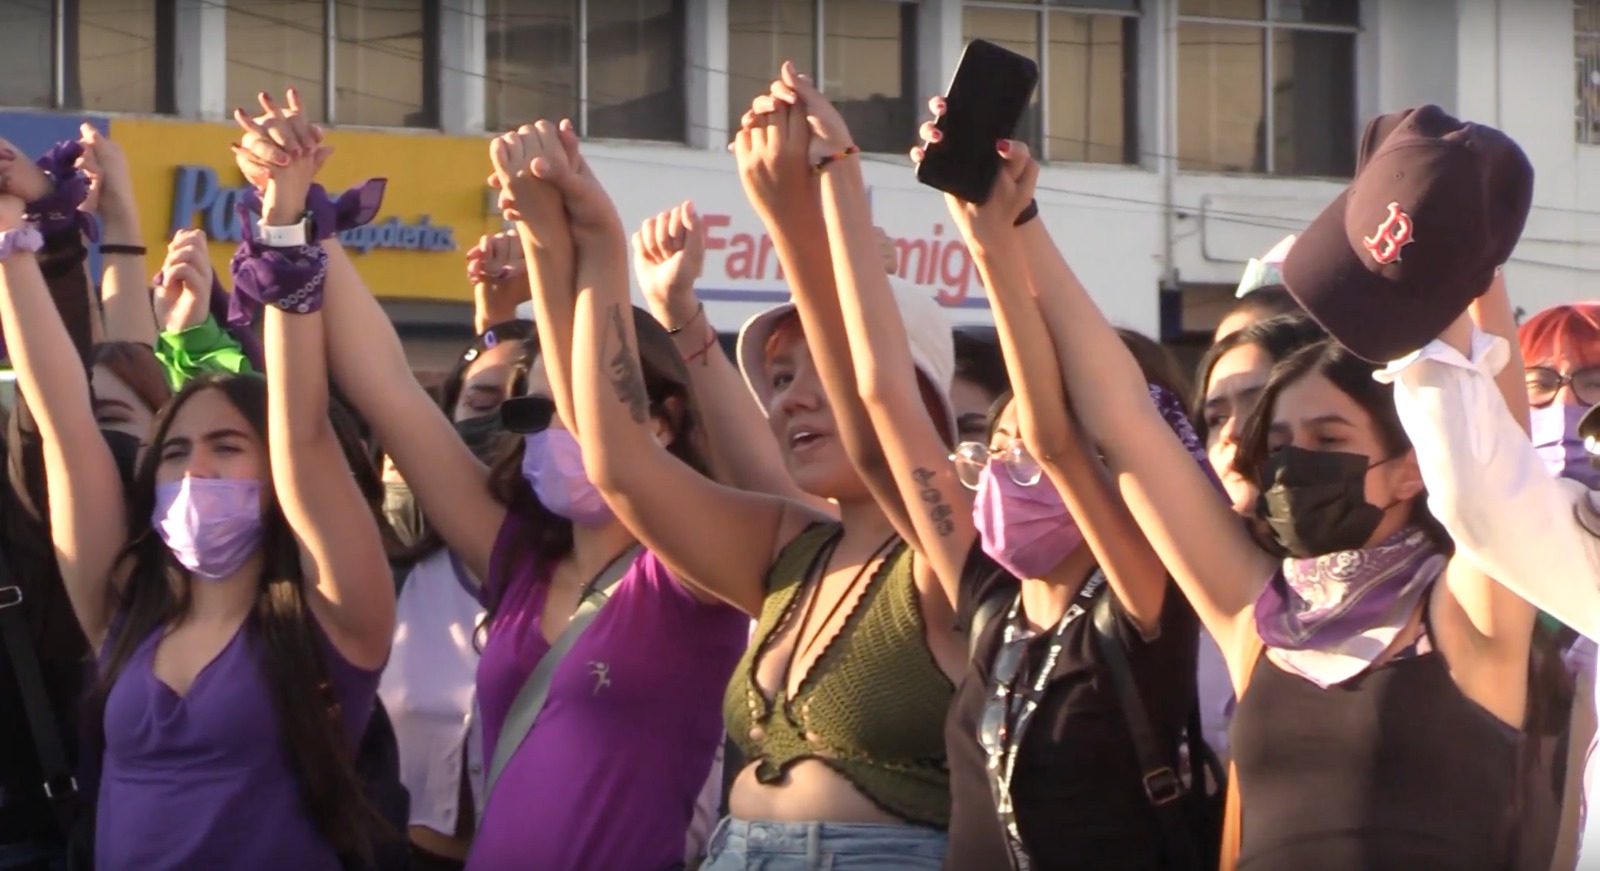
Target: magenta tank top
{"points": [[203, 780], [609, 774]]}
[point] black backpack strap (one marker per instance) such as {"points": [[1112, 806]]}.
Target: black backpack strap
{"points": [[990, 607], [60, 787], [1162, 785]]}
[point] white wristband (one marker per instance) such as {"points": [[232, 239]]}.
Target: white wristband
{"points": [[288, 236]]}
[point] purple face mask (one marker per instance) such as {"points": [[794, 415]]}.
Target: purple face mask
{"points": [[1555, 435], [552, 462], [212, 525], [1027, 530]]}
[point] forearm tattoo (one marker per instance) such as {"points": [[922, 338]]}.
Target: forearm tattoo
{"points": [[939, 511], [627, 381]]}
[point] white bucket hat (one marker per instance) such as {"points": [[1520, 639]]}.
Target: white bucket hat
{"points": [[927, 328]]}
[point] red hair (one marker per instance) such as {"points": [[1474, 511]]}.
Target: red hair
{"points": [[786, 330], [1563, 331]]}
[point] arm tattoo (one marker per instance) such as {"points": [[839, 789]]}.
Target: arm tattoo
{"points": [[627, 381], [939, 511]]}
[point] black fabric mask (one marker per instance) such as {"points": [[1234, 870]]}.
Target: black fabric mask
{"points": [[481, 434], [404, 517], [125, 450], [1315, 502]]}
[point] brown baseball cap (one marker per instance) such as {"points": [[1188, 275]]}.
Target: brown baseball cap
{"points": [[1437, 205]]}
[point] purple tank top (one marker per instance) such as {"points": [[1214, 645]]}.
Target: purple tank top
{"points": [[609, 774], [203, 780]]}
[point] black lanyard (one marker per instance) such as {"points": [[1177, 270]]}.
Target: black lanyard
{"points": [[1009, 712]]}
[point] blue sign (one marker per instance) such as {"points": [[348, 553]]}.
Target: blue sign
{"points": [[198, 191]]}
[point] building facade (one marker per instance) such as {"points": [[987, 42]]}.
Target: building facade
{"points": [[1180, 137]]}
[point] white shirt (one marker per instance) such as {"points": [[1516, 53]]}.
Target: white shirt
{"points": [[1488, 486], [431, 693]]}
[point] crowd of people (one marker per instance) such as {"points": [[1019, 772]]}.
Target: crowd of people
{"points": [[873, 594]]}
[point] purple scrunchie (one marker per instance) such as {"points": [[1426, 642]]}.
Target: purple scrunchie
{"points": [[59, 210], [1172, 412], [355, 207], [291, 279]]}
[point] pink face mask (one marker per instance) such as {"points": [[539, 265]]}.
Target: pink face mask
{"points": [[212, 525], [552, 461], [1027, 530]]}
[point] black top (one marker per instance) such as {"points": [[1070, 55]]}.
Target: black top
{"points": [[1077, 787], [1392, 769], [62, 652]]}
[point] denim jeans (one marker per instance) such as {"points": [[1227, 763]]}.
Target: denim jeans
{"points": [[739, 845], [29, 856]]}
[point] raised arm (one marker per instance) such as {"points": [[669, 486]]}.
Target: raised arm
{"points": [[665, 503], [546, 248], [1196, 534], [777, 167], [124, 291], [341, 551], [668, 255], [1048, 429], [1486, 483], [88, 523], [499, 275], [370, 366], [915, 452]]}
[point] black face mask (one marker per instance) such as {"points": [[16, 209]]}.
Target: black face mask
{"points": [[405, 518], [125, 450], [1315, 502], [481, 434]]}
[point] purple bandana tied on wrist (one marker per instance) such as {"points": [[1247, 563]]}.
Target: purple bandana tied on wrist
{"points": [[291, 279], [59, 210], [1172, 412], [355, 207]]}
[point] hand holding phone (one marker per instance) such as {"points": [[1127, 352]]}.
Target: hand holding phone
{"points": [[988, 94]]}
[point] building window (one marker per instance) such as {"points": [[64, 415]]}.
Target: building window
{"points": [[623, 79], [1268, 86], [867, 55], [109, 55], [1586, 29], [1087, 51], [381, 51]]}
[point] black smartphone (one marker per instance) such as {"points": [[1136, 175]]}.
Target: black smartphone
{"points": [[987, 96]]}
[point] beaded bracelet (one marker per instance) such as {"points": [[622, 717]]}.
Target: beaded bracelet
{"points": [[837, 155], [699, 312]]}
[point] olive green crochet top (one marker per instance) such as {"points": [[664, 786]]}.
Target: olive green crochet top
{"points": [[872, 707]]}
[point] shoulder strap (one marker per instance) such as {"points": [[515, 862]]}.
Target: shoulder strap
{"points": [[1162, 785], [989, 607], [60, 787], [531, 698]]}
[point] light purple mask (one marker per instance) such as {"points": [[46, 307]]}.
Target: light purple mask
{"points": [[212, 525], [1027, 530], [552, 462], [1555, 435]]}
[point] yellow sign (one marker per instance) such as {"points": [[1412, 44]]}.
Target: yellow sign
{"points": [[434, 210]]}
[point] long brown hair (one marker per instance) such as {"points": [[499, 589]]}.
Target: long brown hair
{"points": [[136, 365], [158, 592], [545, 536]]}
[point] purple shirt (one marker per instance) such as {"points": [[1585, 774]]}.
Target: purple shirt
{"points": [[203, 780], [609, 774]]}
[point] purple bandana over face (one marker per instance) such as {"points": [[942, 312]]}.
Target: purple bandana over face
{"points": [[1555, 435], [552, 461], [1329, 617], [1026, 530], [212, 525]]}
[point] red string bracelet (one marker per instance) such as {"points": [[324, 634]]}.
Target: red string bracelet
{"points": [[704, 349]]}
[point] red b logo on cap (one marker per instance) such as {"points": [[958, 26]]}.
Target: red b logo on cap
{"points": [[1393, 235]]}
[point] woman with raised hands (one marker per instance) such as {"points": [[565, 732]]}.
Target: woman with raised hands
{"points": [[1072, 787], [1524, 510], [837, 708], [255, 602], [1388, 680]]}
